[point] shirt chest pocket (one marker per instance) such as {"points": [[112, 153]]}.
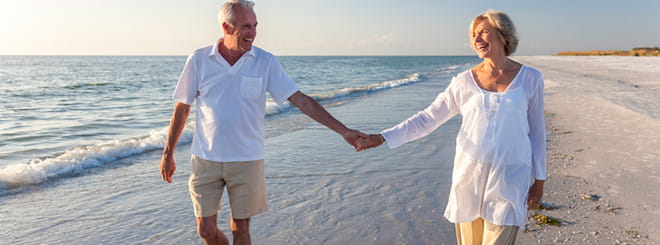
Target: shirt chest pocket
{"points": [[251, 87]]}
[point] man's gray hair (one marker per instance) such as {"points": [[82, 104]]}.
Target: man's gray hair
{"points": [[226, 14]]}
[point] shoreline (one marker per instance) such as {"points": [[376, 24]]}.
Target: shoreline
{"points": [[602, 165]]}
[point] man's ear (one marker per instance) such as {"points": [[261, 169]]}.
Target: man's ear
{"points": [[226, 29]]}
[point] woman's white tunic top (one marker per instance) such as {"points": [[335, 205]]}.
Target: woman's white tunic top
{"points": [[500, 147]]}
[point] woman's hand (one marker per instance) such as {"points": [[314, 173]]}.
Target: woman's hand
{"points": [[535, 194]]}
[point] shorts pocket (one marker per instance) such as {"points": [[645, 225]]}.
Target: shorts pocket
{"points": [[251, 87]]}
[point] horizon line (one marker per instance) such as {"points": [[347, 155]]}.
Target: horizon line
{"points": [[184, 55]]}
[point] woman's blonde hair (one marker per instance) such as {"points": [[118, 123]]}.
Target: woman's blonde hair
{"points": [[504, 26]]}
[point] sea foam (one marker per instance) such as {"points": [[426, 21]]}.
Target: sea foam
{"points": [[273, 108], [83, 157]]}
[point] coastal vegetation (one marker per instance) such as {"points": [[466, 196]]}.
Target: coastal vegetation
{"points": [[643, 51]]}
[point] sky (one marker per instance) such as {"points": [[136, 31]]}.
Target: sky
{"points": [[320, 27]]}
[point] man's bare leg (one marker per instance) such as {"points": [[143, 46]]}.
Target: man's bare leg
{"points": [[240, 228], [207, 228]]}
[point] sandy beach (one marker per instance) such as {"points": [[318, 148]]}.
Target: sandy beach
{"points": [[603, 125]]}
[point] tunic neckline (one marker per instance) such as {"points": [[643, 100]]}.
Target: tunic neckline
{"points": [[515, 78]]}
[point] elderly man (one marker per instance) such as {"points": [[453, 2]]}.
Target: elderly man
{"points": [[228, 81]]}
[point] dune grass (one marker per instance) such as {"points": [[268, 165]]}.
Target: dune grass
{"points": [[645, 51]]}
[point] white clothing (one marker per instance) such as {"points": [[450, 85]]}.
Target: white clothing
{"points": [[231, 101], [500, 146]]}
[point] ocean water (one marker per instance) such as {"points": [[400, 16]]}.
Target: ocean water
{"points": [[64, 114], [80, 142]]}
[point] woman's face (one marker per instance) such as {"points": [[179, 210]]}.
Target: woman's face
{"points": [[486, 41]]}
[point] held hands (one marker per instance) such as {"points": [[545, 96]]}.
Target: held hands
{"points": [[361, 141], [371, 141], [352, 137]]}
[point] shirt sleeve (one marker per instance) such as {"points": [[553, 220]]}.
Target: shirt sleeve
{"points": [[186, 89], [280, 86], [536, 120], [443, 108]]}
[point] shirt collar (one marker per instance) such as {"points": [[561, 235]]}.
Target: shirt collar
{"points": [[216, 45]]}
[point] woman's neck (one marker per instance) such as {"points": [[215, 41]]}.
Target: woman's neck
{"points": [[500, 64]]}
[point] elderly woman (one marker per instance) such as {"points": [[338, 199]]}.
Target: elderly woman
{"points": [[499, 167]]}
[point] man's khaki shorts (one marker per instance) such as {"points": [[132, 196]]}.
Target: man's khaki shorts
{"points": [[245, 182]]}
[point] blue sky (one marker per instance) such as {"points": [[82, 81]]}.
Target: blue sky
{"points": [[320, 27]]}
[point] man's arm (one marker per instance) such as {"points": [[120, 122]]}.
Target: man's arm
{"points": [[177, 124], [314, 110]]}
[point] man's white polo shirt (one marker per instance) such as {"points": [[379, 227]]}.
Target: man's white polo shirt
{"points": [[231, 101]]}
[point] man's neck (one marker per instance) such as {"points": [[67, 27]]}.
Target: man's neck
{"points": [[229, 54]]}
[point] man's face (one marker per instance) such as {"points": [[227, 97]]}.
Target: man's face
{"points": [[241, 35]]}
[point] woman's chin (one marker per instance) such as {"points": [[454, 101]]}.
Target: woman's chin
{"points": [[486, 54]]}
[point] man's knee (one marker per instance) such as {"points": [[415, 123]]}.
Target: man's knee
{"points": [[206, 233], [207, 227], [240, 225]]}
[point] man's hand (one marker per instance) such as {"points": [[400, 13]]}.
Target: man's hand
{"points": [[353, 136], [177, 124], [373, 140], [167, 168], [535, 194]]}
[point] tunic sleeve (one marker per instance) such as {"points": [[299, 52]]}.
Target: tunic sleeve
{"points": [[535, 118], [443, 108]]}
